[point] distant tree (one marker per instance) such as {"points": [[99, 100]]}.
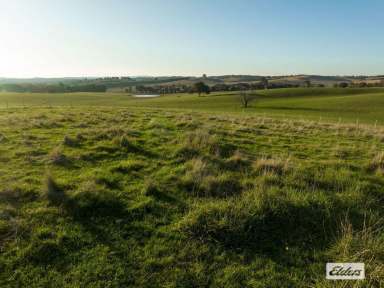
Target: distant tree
{"points": [[343, 84], [363, 84], [201, 87], [205, 76], [246, 97], [307, 83], [264, 82]]}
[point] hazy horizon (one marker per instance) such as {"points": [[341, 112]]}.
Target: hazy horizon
{"points": [[197, 76], [56, 39]]}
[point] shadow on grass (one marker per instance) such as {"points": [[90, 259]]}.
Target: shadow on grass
{"points": [[296, 108], [273, 230]]}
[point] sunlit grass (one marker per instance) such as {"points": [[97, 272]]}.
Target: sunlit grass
{"points": [[143, 197]]}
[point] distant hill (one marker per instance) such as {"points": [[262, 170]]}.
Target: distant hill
{"points": [[122, 83]]}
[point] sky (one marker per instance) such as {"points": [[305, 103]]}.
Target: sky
{"points": [[57, 38]]}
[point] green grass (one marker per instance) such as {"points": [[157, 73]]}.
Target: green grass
{"points": [[351, 105], [144, 197]]}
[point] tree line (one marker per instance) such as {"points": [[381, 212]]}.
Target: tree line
{"points": [[201, 87], [52, 88], [360, 84]]}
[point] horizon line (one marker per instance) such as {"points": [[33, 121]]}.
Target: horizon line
{"points": [[191, 76]]}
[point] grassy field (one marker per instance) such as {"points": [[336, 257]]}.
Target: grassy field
{"points": [[363, 105], [107, 190], [139, 197]]}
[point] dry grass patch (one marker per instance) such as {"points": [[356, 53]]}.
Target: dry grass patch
{"points": [[200, 139], [204, 180], [197, 170], [365, 245], [270, 165], [238, 160]]}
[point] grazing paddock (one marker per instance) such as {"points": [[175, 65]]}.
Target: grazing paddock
{"points": [[337, 105], [145, 197]]}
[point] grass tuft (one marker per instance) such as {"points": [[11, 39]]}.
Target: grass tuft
{"points": [[268, 165], [69, 141], [57, 157], [364, 245], [200, 180], [151, 188], [377, 163], [237, 161], [92, 199], [3, 138]]}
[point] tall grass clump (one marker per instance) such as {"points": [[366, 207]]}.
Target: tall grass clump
{"points": [[69, 141], [377, 163], [126, 143], [194, 143], [151, 188], [238, 160], [57, 157], [200, 142], [93, 199], [365, 244], [270, 165], [204, 179], [3, 138], [265, 221]]}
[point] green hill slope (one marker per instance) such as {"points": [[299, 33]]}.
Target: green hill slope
{"points": [[363, 105]]}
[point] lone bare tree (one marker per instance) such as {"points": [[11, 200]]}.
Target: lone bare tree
{"points": [[246, 97]]}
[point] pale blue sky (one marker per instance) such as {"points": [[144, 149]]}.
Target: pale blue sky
{"points": [[179, 37]]}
